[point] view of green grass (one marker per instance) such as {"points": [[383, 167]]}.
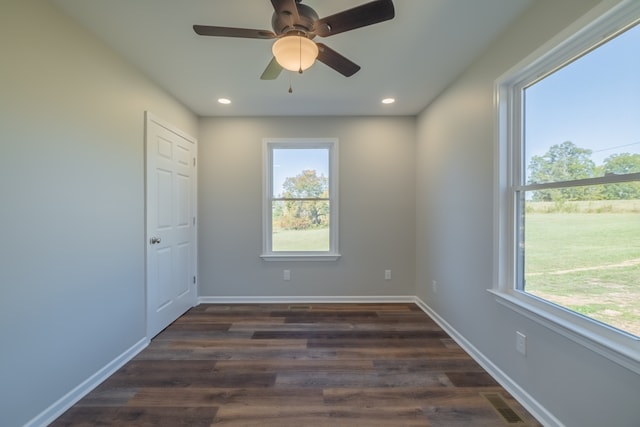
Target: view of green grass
{"points": [[314, 239], [588, 262]]}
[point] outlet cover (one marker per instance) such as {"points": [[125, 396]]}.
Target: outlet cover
{"points": [[521, 343]]}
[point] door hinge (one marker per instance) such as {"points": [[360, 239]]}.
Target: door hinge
{"points": [[194, 161], [194, 279], [194, 220]]}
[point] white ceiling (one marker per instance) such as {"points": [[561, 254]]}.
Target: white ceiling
{"points": [[412, 57]]}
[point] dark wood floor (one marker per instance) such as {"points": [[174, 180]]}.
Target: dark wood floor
{"points": [[300, 365]]}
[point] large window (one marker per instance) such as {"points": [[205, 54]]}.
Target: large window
{"points": [[300, 199], [569, 185]]}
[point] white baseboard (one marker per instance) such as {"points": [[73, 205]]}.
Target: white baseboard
{"points": [[306, 300], [532, 405], [68, 400]]}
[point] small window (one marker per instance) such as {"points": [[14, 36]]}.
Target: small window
{"points": [[300, 206], [569, 186]]}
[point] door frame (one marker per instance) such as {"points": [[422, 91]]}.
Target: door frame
{"points": [[148, 118]]}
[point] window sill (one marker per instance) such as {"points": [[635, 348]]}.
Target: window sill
{"points": [[300, 257], [615, 345]]}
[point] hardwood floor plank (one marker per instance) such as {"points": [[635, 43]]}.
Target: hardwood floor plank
{"points": [[398, 353], [400, 396], [374, 343], [319, 416], [327, 314], [207, 325], [350, 335], [139, 417], [183, 373], [334, 326], [462, 416], [239, 343], [471, 379], [447, 364], [241, 354], [361, 379], [214, 396], [298, 365]]}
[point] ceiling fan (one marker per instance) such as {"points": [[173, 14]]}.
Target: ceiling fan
{"points": [[295, 25]]}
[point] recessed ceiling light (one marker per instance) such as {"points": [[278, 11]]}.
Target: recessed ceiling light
{"points": [[224, 101], [388, 101]]}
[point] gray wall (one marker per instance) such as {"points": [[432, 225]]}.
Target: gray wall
{"points": [[377, 208], [71, 205], [455, 146]]}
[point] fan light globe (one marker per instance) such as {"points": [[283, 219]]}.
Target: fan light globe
{"points": [[295, 52]]}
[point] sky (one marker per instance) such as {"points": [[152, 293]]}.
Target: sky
{"points": [[593, 102], [291, 162]]}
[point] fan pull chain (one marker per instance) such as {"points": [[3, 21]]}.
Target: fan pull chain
{"points": [[290, 88], [300, 44]]}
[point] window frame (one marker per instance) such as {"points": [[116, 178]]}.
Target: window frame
{"points": [[594, 29], [269, 144]]}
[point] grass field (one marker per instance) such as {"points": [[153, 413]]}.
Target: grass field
{"points": [[588, 262], [316, 239]]}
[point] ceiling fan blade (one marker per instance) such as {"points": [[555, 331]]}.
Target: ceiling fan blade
{"points": [[272, 71], [207, 30], [287, 7], [360, 16], [336, 61]]}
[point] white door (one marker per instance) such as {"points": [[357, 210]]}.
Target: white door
{"points": [[170, 224]]}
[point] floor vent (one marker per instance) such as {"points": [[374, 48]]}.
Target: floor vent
{"points": [[502, 408]]}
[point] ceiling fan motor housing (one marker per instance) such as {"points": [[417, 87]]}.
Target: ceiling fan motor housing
{"points": [[285, 21]]}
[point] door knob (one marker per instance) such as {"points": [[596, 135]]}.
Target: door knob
{"points": [[155, 240]]}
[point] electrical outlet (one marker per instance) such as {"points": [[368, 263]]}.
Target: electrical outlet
{"points": [[434, 286], [286, 275], [521, 343], [387, 275]]}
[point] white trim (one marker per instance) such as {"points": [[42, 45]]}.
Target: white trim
{"points": [[598, 337], [574, 39], [300, 257], [524, 398], [305, 299], [268, 144], [149, 116], [50, 414]]}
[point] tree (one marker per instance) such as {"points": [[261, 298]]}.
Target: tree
{"points": [[622, 164], [563, 162], [303, 214]]}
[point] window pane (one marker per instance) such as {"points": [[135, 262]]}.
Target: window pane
{"points": [[300, 172], [585, 255], [300, 206], [582, 121], [300, 226]]}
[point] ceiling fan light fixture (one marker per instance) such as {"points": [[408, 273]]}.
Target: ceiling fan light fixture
{"points": [[295, 52]]}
